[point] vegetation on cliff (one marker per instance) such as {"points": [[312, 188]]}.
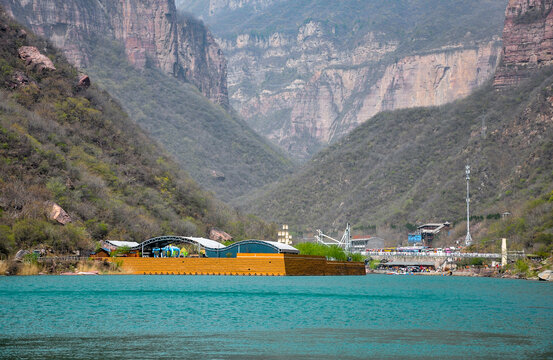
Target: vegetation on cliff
{"points": [[304, 73], [216, 147], [158, 63], [529, 228], [417, 24], [407, 167], [75, 146]]}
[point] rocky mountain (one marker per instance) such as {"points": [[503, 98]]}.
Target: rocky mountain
{"points": [[140, 52], [74, 168], [405, 167], [151, 32], [213, 7], [527, 40], [306, 73]]}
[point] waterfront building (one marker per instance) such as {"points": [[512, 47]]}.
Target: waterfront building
{"points": [[430, 231], [361, 243]]}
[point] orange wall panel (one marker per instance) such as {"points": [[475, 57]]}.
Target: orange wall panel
{"points": [[243, 264]]}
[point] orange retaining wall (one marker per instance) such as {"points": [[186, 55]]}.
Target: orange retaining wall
{"points": [[243, 264]]}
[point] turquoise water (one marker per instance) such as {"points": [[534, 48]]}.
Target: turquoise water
{"points": [[227, 317]]}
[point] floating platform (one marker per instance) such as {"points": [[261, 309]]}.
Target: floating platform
{"points": [[243, 264]]}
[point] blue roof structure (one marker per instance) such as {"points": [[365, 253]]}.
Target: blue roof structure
{"points": [[216, 249]]}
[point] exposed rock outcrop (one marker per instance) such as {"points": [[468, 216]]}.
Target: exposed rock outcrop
{"points": [[56, 212], [19, 79], [200, 60], [151, 32], [331, 90], [546, 275], [304, 83], [34, 59], [216, 5], [219, 235], [527, 40], [21, 254], [84, 81]]}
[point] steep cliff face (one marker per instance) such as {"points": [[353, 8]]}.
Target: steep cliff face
{"points": [[527, 40], [152, 32], [305, 91], [220, 5], [206, 8], [200, 60], [305, 75]]}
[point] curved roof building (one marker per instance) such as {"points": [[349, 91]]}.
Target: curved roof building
{"points": [[214, 249]]}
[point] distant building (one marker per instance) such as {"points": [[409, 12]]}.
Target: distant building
{"points": [[361, 243], [429, 232], [284, 236], [109, 246]]}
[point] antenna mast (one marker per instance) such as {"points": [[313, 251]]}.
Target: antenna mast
{"points": [[468, 238]]}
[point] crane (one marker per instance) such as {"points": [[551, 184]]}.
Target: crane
{"points": [[344, 242]]}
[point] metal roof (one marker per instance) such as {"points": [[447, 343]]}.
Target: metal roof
{"points": [[118, 243], [211, 244], [281, 246], [207, 242], [165, 240]]}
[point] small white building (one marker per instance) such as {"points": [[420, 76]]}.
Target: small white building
{"points": [[284, 236]]}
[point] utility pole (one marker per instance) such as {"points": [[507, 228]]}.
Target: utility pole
{"points": [[468, 238]]}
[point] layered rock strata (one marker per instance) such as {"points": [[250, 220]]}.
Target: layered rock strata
{"points": [[151, 31], [305, 91], [527, 40]]}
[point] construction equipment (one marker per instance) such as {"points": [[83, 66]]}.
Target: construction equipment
{"points": [[344, 242]]}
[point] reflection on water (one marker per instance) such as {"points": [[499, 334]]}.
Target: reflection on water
{"points": [[224, 317]]}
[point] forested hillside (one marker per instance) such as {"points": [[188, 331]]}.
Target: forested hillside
{"points": [[406, 167], [159, 65], [214, 145], [417, 24], [69, 144]]}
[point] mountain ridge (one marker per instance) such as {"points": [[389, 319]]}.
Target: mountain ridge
{"points": [[306, 73]]}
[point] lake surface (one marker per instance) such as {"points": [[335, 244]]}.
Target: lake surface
{"points": [[229, 317]]}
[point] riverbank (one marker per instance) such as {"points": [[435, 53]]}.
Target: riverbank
{"points": [[114, 266], [59, 267], [451, 273], [523, 268], [489, 273]]}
